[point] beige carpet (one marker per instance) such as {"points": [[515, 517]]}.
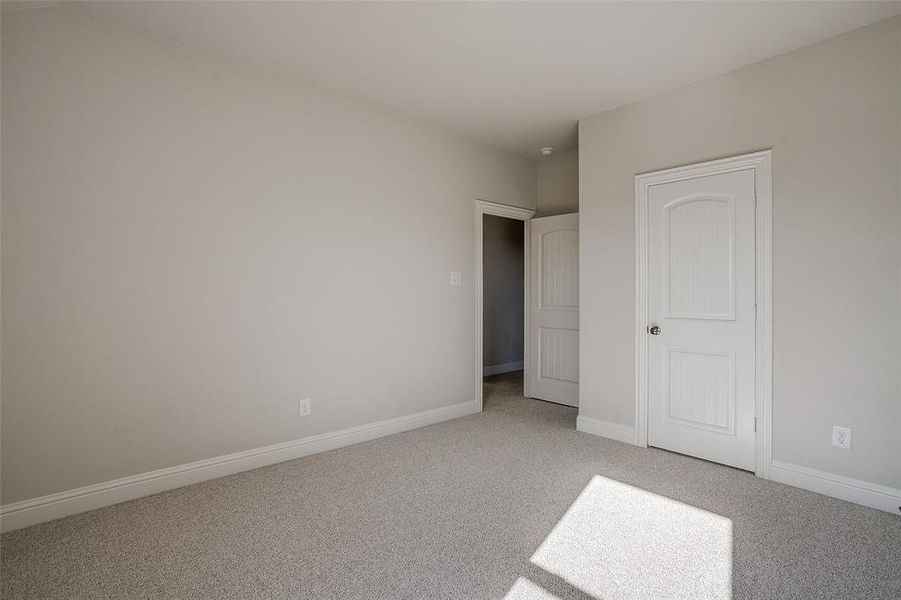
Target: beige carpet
{"points": [[511, 503]]}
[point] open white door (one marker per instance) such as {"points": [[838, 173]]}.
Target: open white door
{"points": [[554, 327]]}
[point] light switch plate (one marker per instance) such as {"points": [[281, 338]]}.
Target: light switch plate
{"points": [[456, 278]]}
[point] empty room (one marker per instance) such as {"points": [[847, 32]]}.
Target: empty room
{"points": [[398, 300]]}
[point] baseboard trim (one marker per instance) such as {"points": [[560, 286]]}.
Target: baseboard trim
{"points": [[869, 494], [502, 368], [54, 506], [614, 431]]}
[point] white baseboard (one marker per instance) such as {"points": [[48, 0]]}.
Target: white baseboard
{"points": [[860, 492], [614, 431], [869, 494], [503, 368], [55, 506]]}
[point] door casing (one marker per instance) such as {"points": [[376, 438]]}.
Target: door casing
{"points": [[761, 163], [483, 207]]}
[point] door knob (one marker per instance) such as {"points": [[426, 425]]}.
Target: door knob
{"points": [[654, 330]]}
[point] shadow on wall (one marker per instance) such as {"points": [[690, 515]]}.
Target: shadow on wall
{"points": [[558, 184]]}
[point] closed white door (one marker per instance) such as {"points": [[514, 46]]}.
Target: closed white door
{"points": [[701, 311], [554, 335]]}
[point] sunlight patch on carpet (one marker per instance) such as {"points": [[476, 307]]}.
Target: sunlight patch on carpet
{"points": [[523, 589], [620, 541]]}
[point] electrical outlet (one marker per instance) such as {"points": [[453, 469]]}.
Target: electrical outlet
{"points": [[841, 437], [305, 407]]}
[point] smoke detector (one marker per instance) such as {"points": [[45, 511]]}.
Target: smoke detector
{"points": [[546, 151]]}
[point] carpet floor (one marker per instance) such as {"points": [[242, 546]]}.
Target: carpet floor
{"points": [[510, 503]]}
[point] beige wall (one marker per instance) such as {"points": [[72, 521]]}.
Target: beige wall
{"points": [[558, 184], [189, 246], [831, 112]]}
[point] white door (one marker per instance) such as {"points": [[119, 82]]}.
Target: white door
{"points": [[554, 328], [701, 300]]}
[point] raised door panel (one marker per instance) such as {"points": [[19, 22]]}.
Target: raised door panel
{"points": [[559, 354], [702, 389], [559, 274], [700, 281]]}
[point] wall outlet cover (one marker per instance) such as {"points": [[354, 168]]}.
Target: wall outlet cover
{"points": [[305, 407], [841, 437]]}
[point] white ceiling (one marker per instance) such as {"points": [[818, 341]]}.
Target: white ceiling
{"points": [[514, 75]]}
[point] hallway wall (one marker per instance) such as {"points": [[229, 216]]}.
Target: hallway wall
{"points": [[503, 264]]}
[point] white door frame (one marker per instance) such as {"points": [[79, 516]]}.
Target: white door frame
{"points": [[761, 164], [483, 207]]}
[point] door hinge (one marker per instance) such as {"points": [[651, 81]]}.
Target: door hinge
{"points": [[755, 424]]}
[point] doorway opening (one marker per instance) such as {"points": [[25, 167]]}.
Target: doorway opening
{"points": [[503, 307], [505, 312], [527, 309]]}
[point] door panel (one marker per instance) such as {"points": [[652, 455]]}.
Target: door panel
{"points": [[699, 281], [554, 330], [701, 294], [560, 351], [701, 388], [559, 269]]}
